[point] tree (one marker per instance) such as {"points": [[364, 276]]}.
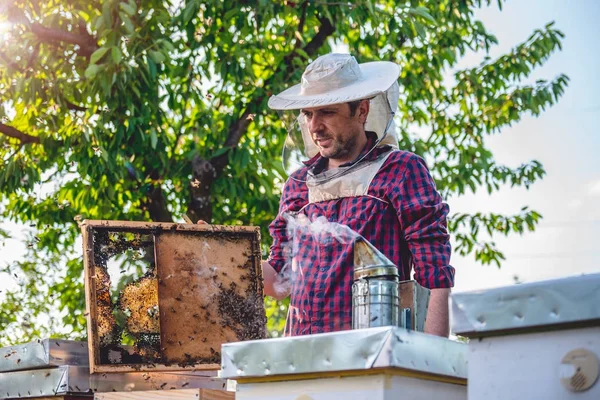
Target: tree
{"points": [[147, 110]]}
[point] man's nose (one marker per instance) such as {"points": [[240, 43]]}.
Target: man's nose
{"points": [[315, 124]]}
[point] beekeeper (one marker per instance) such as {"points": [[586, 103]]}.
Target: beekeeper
{"points": [[345, 168]]}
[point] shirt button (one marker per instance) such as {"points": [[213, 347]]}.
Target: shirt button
{"points": [[322, 269]]}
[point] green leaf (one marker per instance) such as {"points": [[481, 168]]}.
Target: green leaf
{"points": [[230, 14], [245, 159], [190, 11], [98, 54], [110, 192], [153, 138], [152, 68], [106, 14], [127, 23], [156, 56], [99, 23], [220, 151], [104, 154], [130, 10], [116, 54], [420, 29], [166, 44], [424, 13], [92, 70]]}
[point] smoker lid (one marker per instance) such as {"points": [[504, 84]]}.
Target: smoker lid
{"points": [[554, 304], [370, 262]]}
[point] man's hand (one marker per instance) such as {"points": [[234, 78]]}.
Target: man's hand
{"points": [[272, 284]]}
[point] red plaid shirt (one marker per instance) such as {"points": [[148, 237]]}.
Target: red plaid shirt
{"points": [[409, 228]]}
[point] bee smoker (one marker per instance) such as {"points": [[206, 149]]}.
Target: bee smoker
{"points": [[375, 299], [379, 298]]}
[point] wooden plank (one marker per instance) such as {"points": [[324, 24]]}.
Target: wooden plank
{"points": [[181, 394], [208, 285], [392, 371], [213, 394], [153, 367], [89, 279], [81, 397], [137, 225]]}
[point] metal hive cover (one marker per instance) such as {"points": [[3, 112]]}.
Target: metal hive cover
{"points": [[43, 353], [552, 304], [353, 350]]}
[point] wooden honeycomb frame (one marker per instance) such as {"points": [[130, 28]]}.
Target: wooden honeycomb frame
{"points": [[209, 289]]}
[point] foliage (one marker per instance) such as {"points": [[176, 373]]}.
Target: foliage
{"points": [[147, 110]]}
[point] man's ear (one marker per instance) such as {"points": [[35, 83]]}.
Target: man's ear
{"points": [[363, 111]]}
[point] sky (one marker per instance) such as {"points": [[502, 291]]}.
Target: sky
{"points": [[564, 138]]}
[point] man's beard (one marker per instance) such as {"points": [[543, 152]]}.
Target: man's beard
{"points": [[339, 149]]}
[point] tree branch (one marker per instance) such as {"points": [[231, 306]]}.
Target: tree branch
{"points": [[204, 172], [17, 134], [155, 203], [286, 67], [325, 31], [300, 28], [34, 54], [86, 42], [73, 107]]}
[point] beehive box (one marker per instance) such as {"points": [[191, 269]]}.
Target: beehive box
{"points": [[163, 296], [182, 394], [538, 340]]}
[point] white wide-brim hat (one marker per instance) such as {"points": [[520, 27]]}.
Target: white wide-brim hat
{"points": [[334, 79]]}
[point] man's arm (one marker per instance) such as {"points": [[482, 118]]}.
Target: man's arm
{"points": [[422, 215], [437, 313]]}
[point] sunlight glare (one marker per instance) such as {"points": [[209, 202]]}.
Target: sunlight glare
{"points": [[4, 28]]}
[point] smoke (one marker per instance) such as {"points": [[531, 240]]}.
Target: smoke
{"points": [[320, 229], [305, 239]]}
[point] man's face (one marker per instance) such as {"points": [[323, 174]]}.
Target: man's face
{"points": [[335, 131]]}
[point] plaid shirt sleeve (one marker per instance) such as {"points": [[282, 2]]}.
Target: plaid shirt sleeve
{"points": [[422, 215], [293, 199]]}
